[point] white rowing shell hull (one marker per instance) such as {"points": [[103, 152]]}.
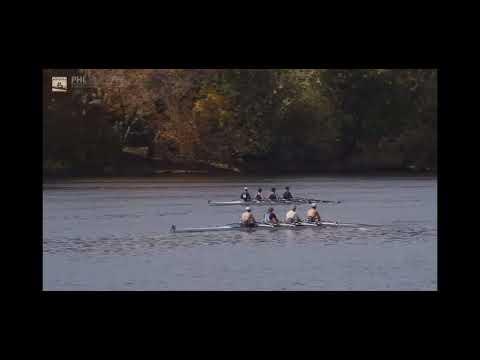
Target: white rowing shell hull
{"points": [[266, 202], [269, 226], [222, 228]]}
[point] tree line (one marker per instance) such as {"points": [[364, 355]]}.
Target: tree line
{"points": [[250, 119]]}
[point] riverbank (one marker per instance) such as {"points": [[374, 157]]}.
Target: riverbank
{"points": [[201, 174], [129, 165]]}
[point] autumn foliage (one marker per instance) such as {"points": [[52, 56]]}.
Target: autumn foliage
{"points": [[272, 119]]}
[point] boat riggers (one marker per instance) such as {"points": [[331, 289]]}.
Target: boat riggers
{"points": [[267, 202], [317, 200], [260, 226], [272, 198]]}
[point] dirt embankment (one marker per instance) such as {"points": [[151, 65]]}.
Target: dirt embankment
{"points": [[131, 163]]}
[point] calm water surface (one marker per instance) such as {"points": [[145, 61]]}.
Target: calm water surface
{"points": [[113, 234]]}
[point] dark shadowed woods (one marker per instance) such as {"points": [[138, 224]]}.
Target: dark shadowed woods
{"points": [[141, 122]]}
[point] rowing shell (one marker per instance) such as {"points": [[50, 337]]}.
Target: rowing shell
{"points": [[173, 229], [268, 202]]}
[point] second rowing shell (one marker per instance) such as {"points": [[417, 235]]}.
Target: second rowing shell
{"points": [[265, 202]]}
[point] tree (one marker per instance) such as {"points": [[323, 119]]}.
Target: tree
{"points": [[282, 118]]}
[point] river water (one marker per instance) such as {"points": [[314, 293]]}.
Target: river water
{"points": [[113, 234]]}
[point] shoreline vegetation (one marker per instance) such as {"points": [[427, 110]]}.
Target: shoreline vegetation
{"points": [[241, 122], [149, 170], [141, 166]]}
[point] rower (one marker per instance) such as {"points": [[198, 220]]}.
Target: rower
{"points": [[292, 216], [273, 195], [270, 217], [312, 214], [245, 195], [247, 218], [287, 195], [259, 196]]}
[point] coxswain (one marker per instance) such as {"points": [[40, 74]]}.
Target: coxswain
{"points": [[247, 218], [312, 214], [287, 195], [270, 217], [273, 195], [245, 195], [259, 196], [292, 216]]}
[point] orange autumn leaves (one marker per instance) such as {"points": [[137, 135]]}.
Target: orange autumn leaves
{"points": [[236, 114], [213, 107]]}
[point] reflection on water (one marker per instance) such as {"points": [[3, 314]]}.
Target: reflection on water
{"points": [[146, 243], [114, 235]]}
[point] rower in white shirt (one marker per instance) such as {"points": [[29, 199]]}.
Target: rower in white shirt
{"points": [[292, 216]]}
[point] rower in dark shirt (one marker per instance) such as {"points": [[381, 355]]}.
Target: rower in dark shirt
{"points": [[287, 195], [259, 196], [273, 195], [245, 195]]}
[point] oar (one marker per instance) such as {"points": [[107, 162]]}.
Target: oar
{"points": [[330, 222], [265, 225], [260, 224], [305, 223], [287, 225], [318, 200], [325, 201]]}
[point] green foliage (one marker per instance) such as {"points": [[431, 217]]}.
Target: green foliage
{"points": [[282, 118]]}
